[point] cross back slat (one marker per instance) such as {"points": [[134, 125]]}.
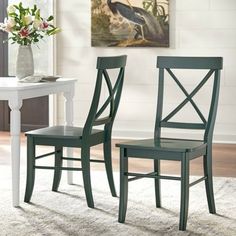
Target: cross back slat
{"points": [[213, 65], [188, 96], [110, 99], [112, 93], [104, 64]]}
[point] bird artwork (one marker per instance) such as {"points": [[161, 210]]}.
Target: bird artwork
{"points": [[144, 28], [128, 12]]}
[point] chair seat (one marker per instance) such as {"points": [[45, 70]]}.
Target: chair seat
{"points": [[164, 144], [60, 132]]}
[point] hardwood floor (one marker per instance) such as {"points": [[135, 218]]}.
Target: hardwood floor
{"points": [[224, 159]]}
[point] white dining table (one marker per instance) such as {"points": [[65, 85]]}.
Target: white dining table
{"points": [[15, 92]]}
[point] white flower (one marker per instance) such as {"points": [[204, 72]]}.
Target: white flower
{"points": [[2, 26], [11, 9], [5, 27], [37, 23], [11, 22], [25, 25], [27, 19]]}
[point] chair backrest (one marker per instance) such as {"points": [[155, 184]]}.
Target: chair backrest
{"points": [[97, 114], [213, 65]]}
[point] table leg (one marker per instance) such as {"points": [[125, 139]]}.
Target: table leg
{"points": [[15, 121], [69, 121]]}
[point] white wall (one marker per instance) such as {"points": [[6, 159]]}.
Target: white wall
{"points": [[197, 28]]}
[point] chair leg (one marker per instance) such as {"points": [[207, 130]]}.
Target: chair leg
{"points": [[184, 202], [108, 165], [30, 169], [57, 171], [85, 163], [207, 163], [123, 185], [157, 183]]}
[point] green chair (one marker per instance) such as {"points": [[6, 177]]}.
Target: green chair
{"points": [[181, 149], [100, 114]]}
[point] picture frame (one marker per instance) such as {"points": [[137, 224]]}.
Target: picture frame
{"points": [[130, 23]]}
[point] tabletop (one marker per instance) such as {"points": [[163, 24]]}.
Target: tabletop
{"points": [[10, 88], [12, 83]]}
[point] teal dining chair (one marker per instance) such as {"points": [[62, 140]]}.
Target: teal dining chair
{"points": [[110, 73], [176, 149]]}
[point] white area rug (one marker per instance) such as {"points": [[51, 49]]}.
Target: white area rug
{"points": [[66, 212]]}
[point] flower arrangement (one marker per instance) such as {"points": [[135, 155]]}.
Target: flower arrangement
{"points": [[26, 26]]}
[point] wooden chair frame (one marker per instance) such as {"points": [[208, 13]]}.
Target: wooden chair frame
{"points": [[83, 138], [182, 150]]}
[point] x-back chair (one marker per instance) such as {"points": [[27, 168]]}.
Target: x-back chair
{"points": [[183, 150], [83, 138]]}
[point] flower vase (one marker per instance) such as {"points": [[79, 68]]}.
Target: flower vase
{"points": [[24, 62]]}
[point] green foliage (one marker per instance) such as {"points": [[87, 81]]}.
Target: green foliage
{"points": [[26, 26], [157, 10]]}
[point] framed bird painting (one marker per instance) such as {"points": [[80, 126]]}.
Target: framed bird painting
{"points": [[130, 23]]}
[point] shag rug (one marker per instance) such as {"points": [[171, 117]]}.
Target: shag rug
{"points": [[66, 212]]}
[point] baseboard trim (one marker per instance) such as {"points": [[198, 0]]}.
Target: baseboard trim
{"points": [[136, 134]]}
